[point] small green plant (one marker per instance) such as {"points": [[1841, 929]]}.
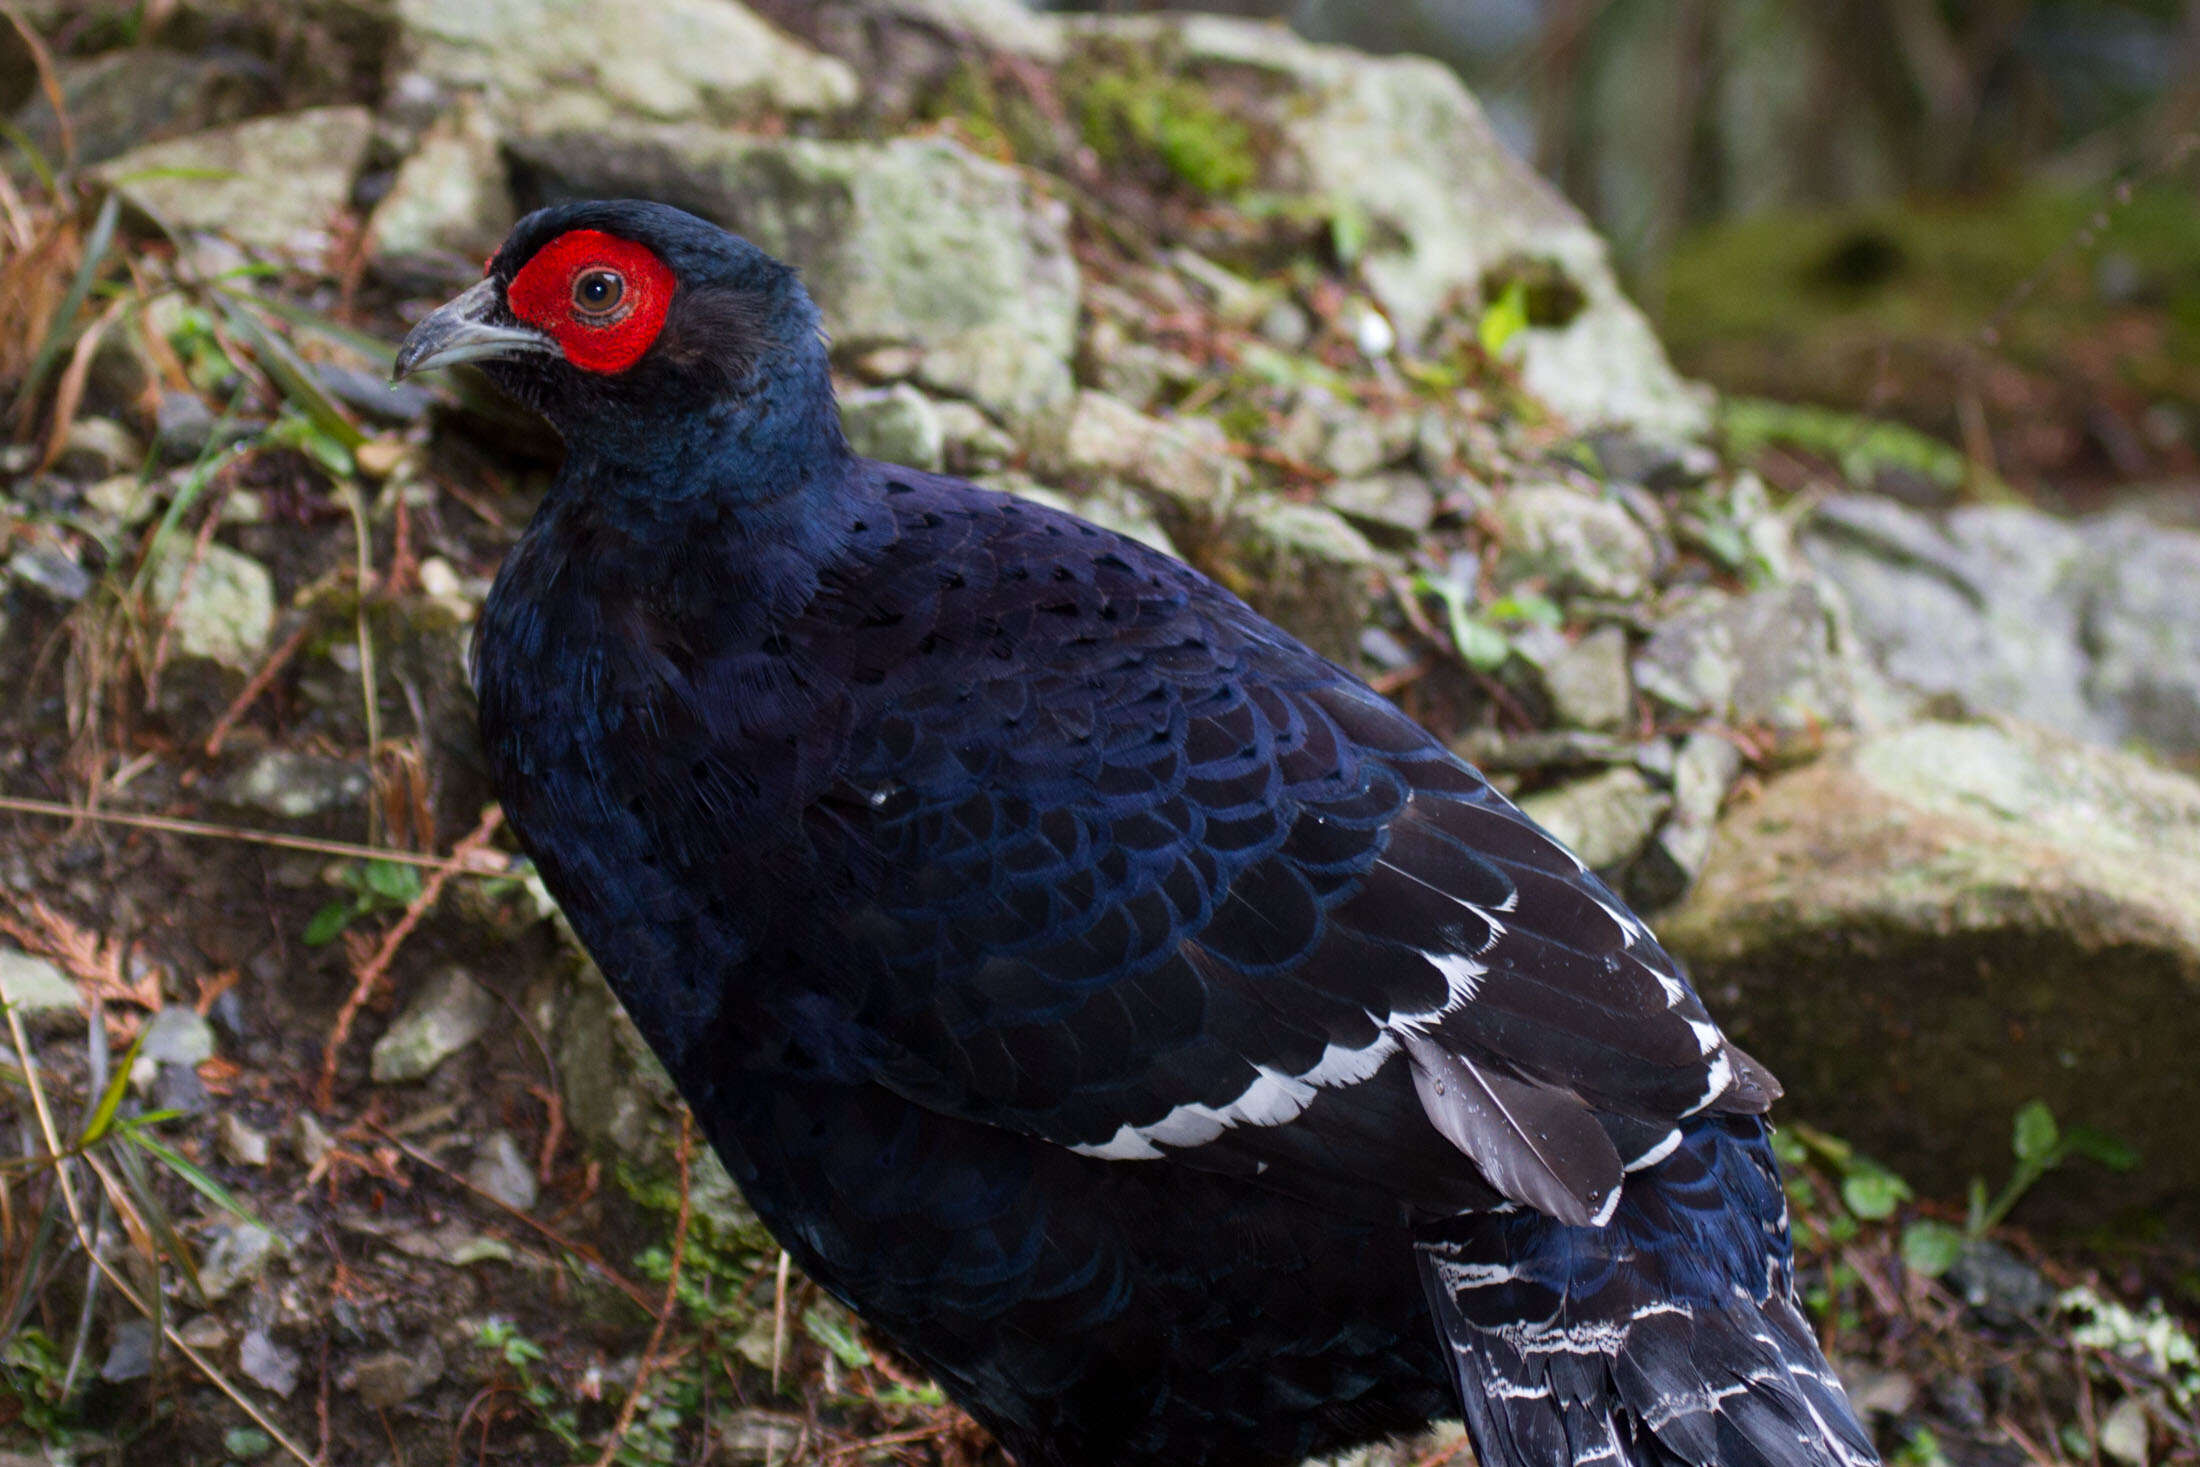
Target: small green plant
{"points": [[1923, 1449], [1503, 318], [2039, 1146], [1483, 633], [2151, 1340], [521, 1355], [1141, 110], [375, 886]]}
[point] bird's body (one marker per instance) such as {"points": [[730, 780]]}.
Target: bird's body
{"points": [[1140, 1022]]}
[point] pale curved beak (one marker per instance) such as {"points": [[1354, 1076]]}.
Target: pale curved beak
{"points": [[463, 330]]}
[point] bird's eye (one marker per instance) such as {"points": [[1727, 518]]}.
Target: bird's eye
{"points": [[598, 292]]}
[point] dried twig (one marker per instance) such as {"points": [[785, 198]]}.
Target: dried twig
{"points": [[473, 862], [648, 1363], [49, 81], [69, 392], [261, 680], [98, 964], [371, 971]]}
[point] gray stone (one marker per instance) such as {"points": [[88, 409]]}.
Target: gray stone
{"points": [[225, 612], [308, 1141], [394, 1377], [2125, 1430], [2035, 898], [183, 425], [52, 570], [1399, 142], [36, 987], [237, 1254], [1983, 607], [997, 25], [898, 425], [130, 1355], [973, 443], [268, 1365], [503, 1171], [1775, 659], [2141, 624], [1286, 324], [2086, 626], [295, 786], [450, 197], [2003, 1288], [97, 447], [619, 1098], [580, 61], [177, 1035], [1705, 769], [1491, 750], [140, 94], [1574, 543], [1394, 508], [1588, 684], [241, 1144], [753, 1435], [278, 184], [450, 1012], [915, 241], [126, 499], [1604, 819], [1358, 445], [1183, 463]]}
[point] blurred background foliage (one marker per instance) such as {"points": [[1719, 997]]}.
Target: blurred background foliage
{"points": [[1981, 217]]}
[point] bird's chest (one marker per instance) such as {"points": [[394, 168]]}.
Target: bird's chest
{"points": [[662, 793]]}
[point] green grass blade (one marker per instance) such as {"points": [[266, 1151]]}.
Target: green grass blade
{"points": [[205, 1185], [291, 374], [110, 1100], [139, 1184]]}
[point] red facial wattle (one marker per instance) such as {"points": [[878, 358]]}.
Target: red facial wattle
{"points": [[603, 298]]}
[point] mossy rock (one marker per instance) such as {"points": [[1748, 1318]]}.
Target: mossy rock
{"points": [[1933, 926]]}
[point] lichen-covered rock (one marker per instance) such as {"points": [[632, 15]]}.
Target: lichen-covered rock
{"points": [[1779, 660], [449, 1013], [1588, 683], [221, 609], [295, 786], [1574, 543], [278, 183], [1184, 465], [35, 987], [1604, 819], [663, 59], [896, 424], [1937, 924], [1303, 567], [2091, 626], [914, 241], [450, 197], [1451, 215]]}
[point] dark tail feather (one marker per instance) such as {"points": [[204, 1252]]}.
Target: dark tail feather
{"points": [[1669, 1338]]}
